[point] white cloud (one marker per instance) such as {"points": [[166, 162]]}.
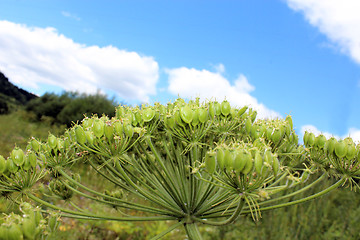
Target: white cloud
{"points": [[191, 83], [352, 132], [70, 15], [339, 20], [31, 56], [220, 68]]}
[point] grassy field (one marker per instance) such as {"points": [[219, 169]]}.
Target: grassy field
{"points": [[18, 127]]}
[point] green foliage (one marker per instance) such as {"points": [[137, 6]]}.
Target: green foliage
{"points": [[8, 104], [30, 224], [18, 127], [85, 104], [68, 107], [49, 105], [4, 108], [18, 95]]}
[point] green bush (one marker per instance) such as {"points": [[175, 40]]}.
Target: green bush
{"points": [[70, 107]]}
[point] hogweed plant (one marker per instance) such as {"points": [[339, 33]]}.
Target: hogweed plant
{"points": [[188, 163]]}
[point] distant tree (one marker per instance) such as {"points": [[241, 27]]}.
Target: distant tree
{"points": [[9, 89], [3, 107], [49, 105], [88, 105], [70, 107]]}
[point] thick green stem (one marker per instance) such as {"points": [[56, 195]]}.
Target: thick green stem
{"points": [[192, 231], [171, 228]]}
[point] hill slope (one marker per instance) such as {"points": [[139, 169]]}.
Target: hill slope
{"points": [[10, 90], [12, 96]]}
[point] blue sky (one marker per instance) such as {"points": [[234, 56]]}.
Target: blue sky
{"points": [[284, 56]]}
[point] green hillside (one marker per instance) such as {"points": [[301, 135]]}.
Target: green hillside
{"points": [[8, 89], [11, 96], [18, 127]]}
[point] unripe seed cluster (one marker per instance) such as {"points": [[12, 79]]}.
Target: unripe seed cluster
{"points": [[31, 225], [341, 154], [342, 148], [254, 162], [274, 131]]}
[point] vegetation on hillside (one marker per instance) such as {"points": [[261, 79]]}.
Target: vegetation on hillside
{"points": [[20, 96], [70, 107], [18, 127]]}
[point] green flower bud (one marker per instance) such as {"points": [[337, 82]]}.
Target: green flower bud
{"points": [[217, 108], [52, 141], [220, 158], [331, 145], [258, 162], [212, 110], [98, 128], [89, 137], [35, 145], [17, 155], [276, 135], [186, 114], [351, 151], [2, 164], [240, 160], [248, 125], [27, 164], [195, 120], [229, 160], [129, 130], [311, 139], [80, 135], [109, 131], [28, 226], [118, 128], [289, 120], [242, 111], [268, 157], [225, 108], [320, 141], [248, 165], [210, 162], [148, 114], [275, 165], [14, 232], [340, 149], [203, 115], [306, 138], [32, 159]]}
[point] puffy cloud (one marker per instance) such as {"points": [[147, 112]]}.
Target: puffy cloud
{"points": [[31, 56], [220, 68], [338, 20], [352, 132], [191, 83]]}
